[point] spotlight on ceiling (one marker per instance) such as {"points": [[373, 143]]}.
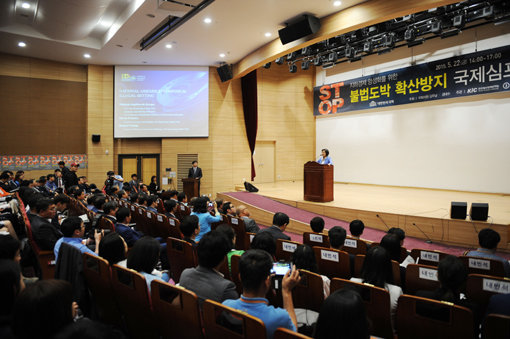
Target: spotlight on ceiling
{"points": [[317, 61], [388, 40], [305, 65], [292, 68], [435, 27], [332, 57], [367, 46], [291, 56], [350, 52], [458, 21], [267, 65], [279, 61], [410, 34]]}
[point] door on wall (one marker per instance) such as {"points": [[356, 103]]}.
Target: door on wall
{"points": [[263, 158], [143, 165]]}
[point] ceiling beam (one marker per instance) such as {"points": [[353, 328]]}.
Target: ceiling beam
{"points": [[365, 14]]}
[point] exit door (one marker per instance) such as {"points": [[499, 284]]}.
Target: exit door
{"points": [[143, 165]]}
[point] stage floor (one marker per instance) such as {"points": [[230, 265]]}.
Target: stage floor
{"points": [[419, 202]]}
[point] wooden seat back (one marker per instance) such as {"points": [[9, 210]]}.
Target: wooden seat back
{"points": [[132, 295], [168, 227], [395, 269], [240, 231], [176, 310], [414, 319], [476, 265], [495, 326], [285, 248], [377, 303], [234, 272], [355, 246], [421, 277], [309, 292], [181, 255], [480, 288], [221, 321], [284, 333], [314, 239], [96, 271], [427, 257], [333, 263]]}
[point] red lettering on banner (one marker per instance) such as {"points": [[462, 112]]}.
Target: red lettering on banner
{"points": [[325, 91], [337, 86]]}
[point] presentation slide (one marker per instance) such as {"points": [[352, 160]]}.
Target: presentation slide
{"points": [[161, 102]]}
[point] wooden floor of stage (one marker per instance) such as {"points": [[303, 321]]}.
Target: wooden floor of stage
{"points": [[420, 202]]}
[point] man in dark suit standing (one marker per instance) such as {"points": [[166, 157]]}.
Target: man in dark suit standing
{"points": [[195, 172]]}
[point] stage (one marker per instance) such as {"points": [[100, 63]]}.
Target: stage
{"points": [[420, 212]]}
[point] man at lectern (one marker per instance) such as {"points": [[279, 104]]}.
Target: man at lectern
{"points": [[325, 159], [195, 172]]}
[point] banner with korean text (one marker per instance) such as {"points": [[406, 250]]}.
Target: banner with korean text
{"points": [[40, 162], [471, 74]]}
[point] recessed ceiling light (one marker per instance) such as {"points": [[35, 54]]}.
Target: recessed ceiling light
{"points": [[267, 34], [337, 3], [25, 5], [86, 55], [222, 55], [207, 20], [168, 46], [21, 44]]}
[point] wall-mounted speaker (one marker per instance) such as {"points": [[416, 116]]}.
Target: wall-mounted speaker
{"points": [[479, 211], [306, 25], [96, 137], [458, 210], [225, 72]]}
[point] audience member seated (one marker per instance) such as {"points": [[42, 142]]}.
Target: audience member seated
{"points": [[343, 316], [337, 237], [82, 184], [90, 202], [144, 257], [255, 271], [227, 230], [113, 248], [488, 240], [182, 199], [250, 224], [280, 222], [228, 209], [499, 304], [11, 285], [391, 243], [204, 217], [99, 202], [61, 202], [356, 228], [110, 210], [152, 203], [170, 208], [205, 279], [73, 230], [10, 248], [51, 185], [122, 195], [123, 227], [44, 232], [219, 204], [84, 328], [452, 275], [317, 224], [266, 242], [377, 271], [81, 197], [43, 308], [190, 228], [304, 259]]}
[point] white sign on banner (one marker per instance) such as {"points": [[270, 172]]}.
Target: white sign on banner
{"points": [[316, 237], [351, 243], [289, 247], [480, 264], [330, 255], [430, 256], [496, 286], [428, 274]]}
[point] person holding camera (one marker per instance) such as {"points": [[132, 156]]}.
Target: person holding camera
{"points": [[204, 217], [73, 230]]}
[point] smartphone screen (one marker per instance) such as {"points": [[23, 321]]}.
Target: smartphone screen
{"points": [[280, 268]]}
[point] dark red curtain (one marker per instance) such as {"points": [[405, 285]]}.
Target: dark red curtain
{"points": [[250, 109]]}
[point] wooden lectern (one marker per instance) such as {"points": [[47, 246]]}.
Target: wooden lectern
{"points": [[190, 187], [318, 182]]}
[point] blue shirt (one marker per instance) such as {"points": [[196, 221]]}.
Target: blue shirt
{"points": [[258, 307], [205, 220], [150, 277], [51, 186], [152, 209], [129, 235], [483, 253], [325, 161], [76, 242]]}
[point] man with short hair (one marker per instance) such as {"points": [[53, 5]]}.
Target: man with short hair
{"points": [[110, 209], [255, 271], [250, 224], [134, 182], [73, 230], [229, 209], [280, 222], [170, 208], [82, 183], [337, 237], [70, 178], [152, 203], [61, 202], [317, 224], [205, 280], [356, 228], [182, 199], [59, 180], [124, 228], [489, 240], [44, 232], [51, 185], [190, 228]]}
